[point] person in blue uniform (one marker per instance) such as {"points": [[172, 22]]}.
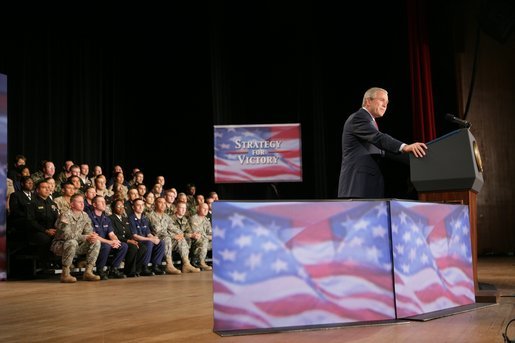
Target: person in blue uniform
{"points": [[109, 242], [141, 231], [135, 257]]}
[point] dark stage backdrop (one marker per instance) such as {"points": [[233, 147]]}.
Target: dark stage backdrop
{"points": [[143, 87]]}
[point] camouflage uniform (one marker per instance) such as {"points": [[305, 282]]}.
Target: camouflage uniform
{"points": [[62, 204], [160, 224], [37, 177], [148, 209], [191, 206], [203, 226], [106, 193], [163, 227], [70, 239], [182, 226], [170, 209]]}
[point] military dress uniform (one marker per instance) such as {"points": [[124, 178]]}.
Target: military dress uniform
{"points": [[155, 252], [20, 203], [42, 214], [70, 240], [134, 259], [102, 226]]}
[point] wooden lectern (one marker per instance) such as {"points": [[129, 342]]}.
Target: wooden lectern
{"points": [[451, 172]]}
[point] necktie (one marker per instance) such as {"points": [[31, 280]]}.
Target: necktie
{"points": [[28, 195], [375, 124]]}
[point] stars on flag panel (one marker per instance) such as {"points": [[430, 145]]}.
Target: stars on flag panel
{"points": [[280, 264]]}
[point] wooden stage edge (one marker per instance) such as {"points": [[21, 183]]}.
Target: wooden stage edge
{"points": [[179, 308]]}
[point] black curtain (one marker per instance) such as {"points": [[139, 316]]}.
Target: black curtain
{"points": [[196, 66], [99, 87], [63, 96]]}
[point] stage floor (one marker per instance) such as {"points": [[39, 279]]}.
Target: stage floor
{"points": [[179, 308]]}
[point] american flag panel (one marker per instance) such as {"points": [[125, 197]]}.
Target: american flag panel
{"points": [[257, 153], [283, 264], [432, 257]]}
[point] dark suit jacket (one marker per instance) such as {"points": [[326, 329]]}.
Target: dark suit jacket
{"points": [[19, 204], [362, 146], [121, 228], [43, 214]]}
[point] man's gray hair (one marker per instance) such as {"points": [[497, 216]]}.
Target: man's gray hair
{"points": [[371, 93]]}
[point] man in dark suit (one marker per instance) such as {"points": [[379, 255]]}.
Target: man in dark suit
{"points": [[363, 145]]}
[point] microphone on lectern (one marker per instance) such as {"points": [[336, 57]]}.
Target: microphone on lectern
{"points": [[456, 120]]}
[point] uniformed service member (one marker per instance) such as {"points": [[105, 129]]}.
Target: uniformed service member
{"points": [[74, 237], [182, 229], [162, 227], [140, 227], [42, 216], [202, 235]]}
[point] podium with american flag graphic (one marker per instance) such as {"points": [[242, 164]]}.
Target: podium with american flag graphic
{"points": [[294, 265], [452, 172]]}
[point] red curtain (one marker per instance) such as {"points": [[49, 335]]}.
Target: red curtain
{"points": [[424, 128]]}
